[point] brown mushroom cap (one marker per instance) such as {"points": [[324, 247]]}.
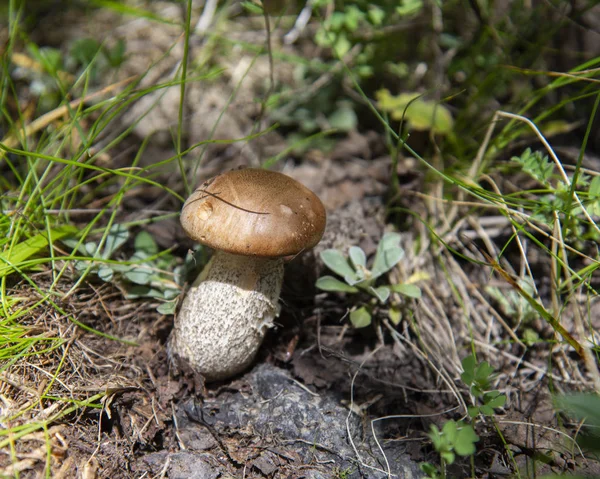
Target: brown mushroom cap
{"points": [[254, 212]]}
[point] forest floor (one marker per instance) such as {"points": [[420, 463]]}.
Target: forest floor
{"points": [[86, 387]]}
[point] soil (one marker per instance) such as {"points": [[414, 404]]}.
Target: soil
{"points": [[322, 399]]}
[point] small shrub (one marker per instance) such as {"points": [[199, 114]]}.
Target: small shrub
{"points": [[358, 278]]}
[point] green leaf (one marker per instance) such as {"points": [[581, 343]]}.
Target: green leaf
{"points": [[450, 431], [337, 262], [117, 236], [352, 17], [420, 114], [486, 410], [336, 21], [358, 256], [81, 265], [594, 190], [145, 242], [464, 444], [124, 9], [582, 406], [483, 374], [51, 59], [494, 399], [468, 365], [375, 15], [84, 50], [436, 437], [141, 291], [115, 55], [409, 7], [105, 273], [448, 456], [343, 119], [90, 248], [329, 283], [252, 7], [139, 275], [536, 164], [342, 45], [382, 293], [410, 290], [75, 245], [139, 256], [473, 411], [167, 308], [171, 293], [360, 317], [10, 260], [430, 470], [530, 336], [118, 267], [323, 38], [476, 390], [395, 316], [388, 254]]}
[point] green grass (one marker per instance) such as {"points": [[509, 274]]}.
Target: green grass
{"points": [[57, 166], [56, 169]]}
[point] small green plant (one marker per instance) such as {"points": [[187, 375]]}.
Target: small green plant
{"points": [[144, 274], [478, 378], [536, 165], [344, 28], [455, 437], [337, 30], [458, 437], [341, 473], [360, 279], [558, 194]]}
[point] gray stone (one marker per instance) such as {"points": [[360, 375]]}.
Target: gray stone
{"points": [[313, 427], [265, 464], [187, 465], [197, 439]]}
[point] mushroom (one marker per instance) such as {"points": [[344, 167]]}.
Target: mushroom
{"points": [[252, 218]]}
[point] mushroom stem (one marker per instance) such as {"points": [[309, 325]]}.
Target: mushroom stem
{"points": [[226, 313]]}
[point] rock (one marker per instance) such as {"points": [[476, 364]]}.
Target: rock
{"points": [[181, 465], [279, 428], [187, 465]]}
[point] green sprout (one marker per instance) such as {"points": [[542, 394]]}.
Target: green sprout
{"points": [[558, 194], [478, 378], [359, 278], [455, 438]]}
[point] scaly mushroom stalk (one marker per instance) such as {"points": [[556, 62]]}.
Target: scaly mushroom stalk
{"points": [[226, 313]]}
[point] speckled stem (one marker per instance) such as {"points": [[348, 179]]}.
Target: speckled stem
{"points": [[225, 314]]}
